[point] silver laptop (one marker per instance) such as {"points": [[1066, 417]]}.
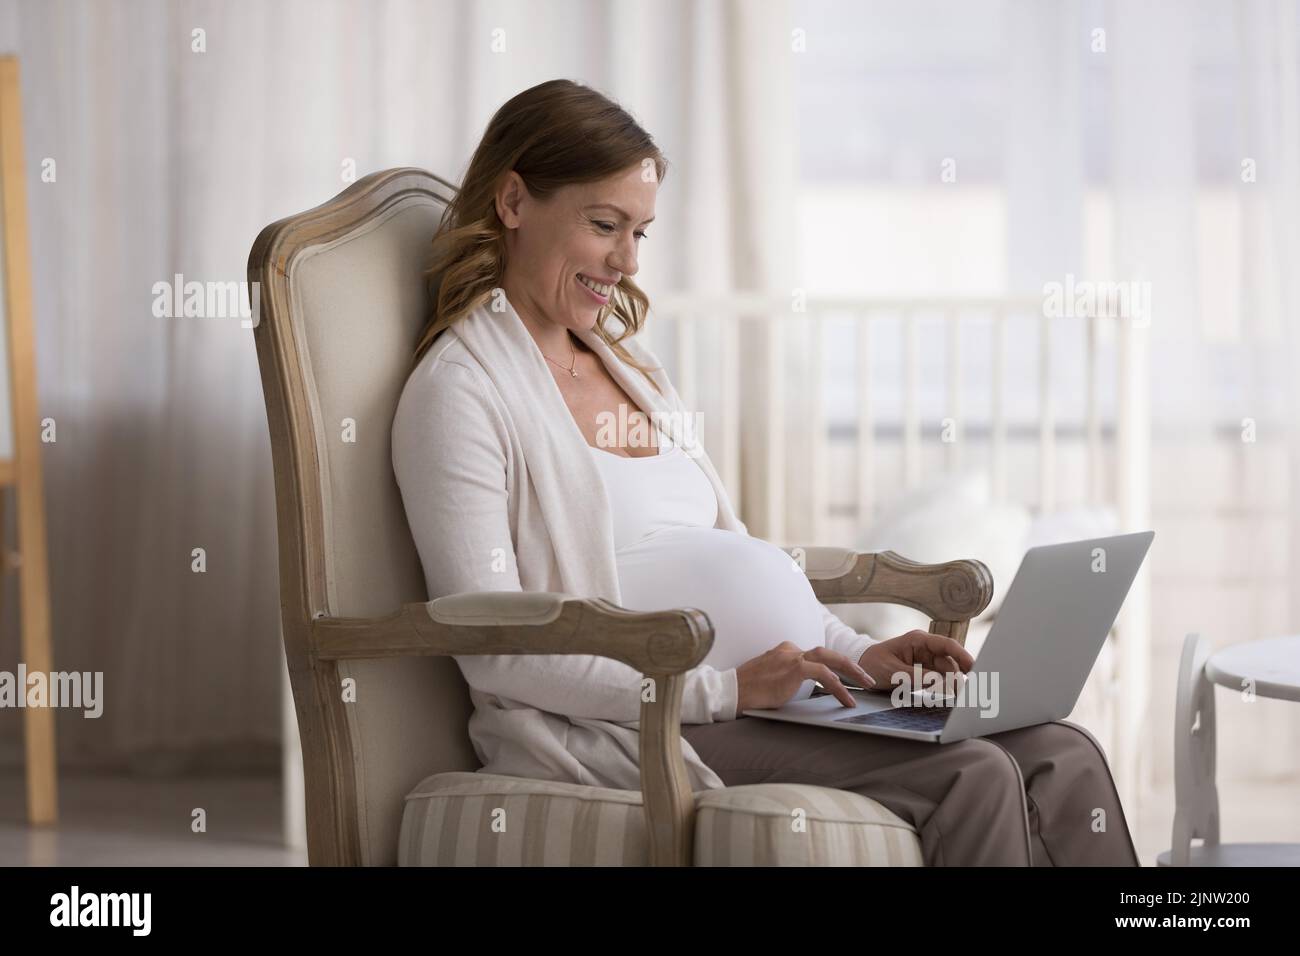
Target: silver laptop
{"points": [[1031, 667]]}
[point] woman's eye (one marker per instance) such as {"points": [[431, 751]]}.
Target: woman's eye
{"points": [[609, 226]]}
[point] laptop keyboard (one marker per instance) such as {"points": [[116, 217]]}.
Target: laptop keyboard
{"points": [[903, 718]]}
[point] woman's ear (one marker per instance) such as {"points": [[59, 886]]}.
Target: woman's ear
{"points": [[510, 194]]}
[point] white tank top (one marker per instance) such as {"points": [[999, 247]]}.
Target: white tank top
{"points": [[668, 554]]}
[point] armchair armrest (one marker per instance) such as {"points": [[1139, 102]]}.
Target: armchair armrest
{"points": [[662, 645], [951, 593]]}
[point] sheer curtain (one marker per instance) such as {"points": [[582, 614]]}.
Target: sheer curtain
{"points": [[1268, 49], [169, 159], [1109, 142], [1195, 192], [1268, 131], [1158, 142]]}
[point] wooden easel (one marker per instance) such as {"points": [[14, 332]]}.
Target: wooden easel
{"points": [[22, 471]]}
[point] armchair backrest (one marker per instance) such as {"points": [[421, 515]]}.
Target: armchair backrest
{"points": [[342, 300]]}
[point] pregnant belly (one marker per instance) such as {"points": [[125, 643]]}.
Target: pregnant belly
{"points": [[754, 594]]}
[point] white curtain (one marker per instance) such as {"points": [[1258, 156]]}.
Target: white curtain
{"points": [[1216, 239], [1218, 247], [1268, 44], [169, 161]]}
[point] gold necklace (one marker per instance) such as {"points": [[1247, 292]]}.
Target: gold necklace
{"points": [[572, 369]]}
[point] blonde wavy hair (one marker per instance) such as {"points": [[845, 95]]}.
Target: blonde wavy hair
{"points": [[553, 134]]}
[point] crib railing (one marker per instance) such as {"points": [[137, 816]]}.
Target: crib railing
{"points": [[678, 322], [683, 314]]}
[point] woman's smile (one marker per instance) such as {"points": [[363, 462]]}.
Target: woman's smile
{"points": [[597, 291]]}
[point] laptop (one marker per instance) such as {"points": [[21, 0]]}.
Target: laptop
{"points": [[1031, 667]]}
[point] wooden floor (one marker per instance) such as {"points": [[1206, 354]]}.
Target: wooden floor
{"points": [[122, 821], [117, 821]]}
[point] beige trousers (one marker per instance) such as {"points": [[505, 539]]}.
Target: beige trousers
{"points": [[1040, 796]]}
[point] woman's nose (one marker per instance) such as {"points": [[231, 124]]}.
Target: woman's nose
{"points": [[624, 258]]}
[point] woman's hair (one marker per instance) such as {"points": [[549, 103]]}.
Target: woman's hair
{"points": [[554, 134]]}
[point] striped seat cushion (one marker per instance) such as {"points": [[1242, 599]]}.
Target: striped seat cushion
{"points": [[476, 819], [798, 824]]}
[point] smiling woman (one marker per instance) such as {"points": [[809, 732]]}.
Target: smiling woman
{"points": [[507, 486]]}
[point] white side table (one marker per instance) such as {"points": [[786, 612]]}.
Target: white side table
{"points": [[1273, 667]]}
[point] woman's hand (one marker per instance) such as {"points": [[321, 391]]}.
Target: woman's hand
{"points": [[934, 652], [773, 677]]}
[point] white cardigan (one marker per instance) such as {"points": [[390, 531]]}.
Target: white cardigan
{"points": [[501, 494]]}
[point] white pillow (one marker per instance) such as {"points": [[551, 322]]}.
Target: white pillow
{"points": [[943, 519]]}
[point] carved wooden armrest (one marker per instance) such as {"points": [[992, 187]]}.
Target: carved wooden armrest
{"points": [[662, 645], [951, 593]]}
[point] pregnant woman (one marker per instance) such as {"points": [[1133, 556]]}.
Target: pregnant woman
{"points": [[539, 449]]}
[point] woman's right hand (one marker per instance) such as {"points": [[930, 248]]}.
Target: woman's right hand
{"points": [[772, 678]]}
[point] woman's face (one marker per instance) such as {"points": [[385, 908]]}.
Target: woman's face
{"points": [[584, 233]]}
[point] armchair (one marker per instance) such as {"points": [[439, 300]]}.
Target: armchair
{"points": [[382, 708]]}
